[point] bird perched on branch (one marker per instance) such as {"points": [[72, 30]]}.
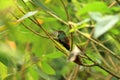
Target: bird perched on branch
{"points": [[63, 39]]}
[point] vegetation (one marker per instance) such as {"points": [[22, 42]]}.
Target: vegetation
{"points": [[59, 40]]}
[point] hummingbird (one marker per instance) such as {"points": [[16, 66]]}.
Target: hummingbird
{"points": [[63, 39]]}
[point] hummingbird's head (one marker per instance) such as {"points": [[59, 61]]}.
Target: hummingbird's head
{"points": [[63, 39], [61, 34]]}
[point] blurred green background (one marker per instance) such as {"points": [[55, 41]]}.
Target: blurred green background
{"points": [[27, 56]]}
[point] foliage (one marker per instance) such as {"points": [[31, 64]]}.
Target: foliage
{"points": [[29, 49]]}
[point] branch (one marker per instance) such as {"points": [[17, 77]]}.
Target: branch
{"points": [[29, 27], [118, 1], [58, 18], [97, 64], [97, 52], [109, 71], [68, 18], [52, 14], [62, 49], [70, 26], [83, 34]]}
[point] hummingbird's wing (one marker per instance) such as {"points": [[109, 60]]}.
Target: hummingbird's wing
{"points": [[65, 42]]}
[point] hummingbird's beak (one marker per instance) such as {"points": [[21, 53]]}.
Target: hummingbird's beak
{"points": [[55, 34]]}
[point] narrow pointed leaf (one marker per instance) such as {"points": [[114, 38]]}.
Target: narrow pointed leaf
{"points": [[105, 24], [27, 15], [39, 4], [47, 68]]}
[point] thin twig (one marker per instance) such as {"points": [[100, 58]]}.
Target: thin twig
{"points": [[26, 6], [24, 14], [112, 4], [48, 34], [102, 67], [53, 15], [109, 71], [88, 41], [70, 26], [97, 64], [58, 18], [69, 76], [118, 1], [67, 14], [75, 72], [50, 37], [113, 63], [95, 48], [29, 27], [118, 57]]}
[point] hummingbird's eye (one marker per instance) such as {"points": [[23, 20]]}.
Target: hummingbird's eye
{"points": [[58, 35]]}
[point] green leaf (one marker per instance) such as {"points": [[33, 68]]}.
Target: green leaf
{"points": [[39, 4], [54, 55], [3, 71], [97, 69], [6, 60], [95, 15], [47, 68], [41, 73], [33, 73], [48, 19], [40, 47], [6, 4], [79, 25], [8, 56], [94, 6], [27, 15], [104, 24]]}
